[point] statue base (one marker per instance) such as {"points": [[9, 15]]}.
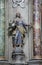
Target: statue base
{"points": [[18, 56], [18, 53]]}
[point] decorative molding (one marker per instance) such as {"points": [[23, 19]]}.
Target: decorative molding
{"points": [[16, 3]]}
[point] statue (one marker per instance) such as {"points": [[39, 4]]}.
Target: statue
{"points": [[17, 30]]}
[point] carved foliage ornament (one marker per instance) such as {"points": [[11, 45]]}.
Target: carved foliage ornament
{"points": [[20, 3]]}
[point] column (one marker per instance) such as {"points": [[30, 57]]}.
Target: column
{"points": [[36, 30], [2, 30]]}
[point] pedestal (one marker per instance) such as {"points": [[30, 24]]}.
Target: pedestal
{"points": [[5, 62]]}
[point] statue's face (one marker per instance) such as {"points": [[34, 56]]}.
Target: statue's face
{"points": [[18, 15]]}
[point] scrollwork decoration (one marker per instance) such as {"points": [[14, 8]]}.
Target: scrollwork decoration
{"points": [[20, 3]]}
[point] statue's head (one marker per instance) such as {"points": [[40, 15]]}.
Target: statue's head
{"points": [[18, 15]]}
